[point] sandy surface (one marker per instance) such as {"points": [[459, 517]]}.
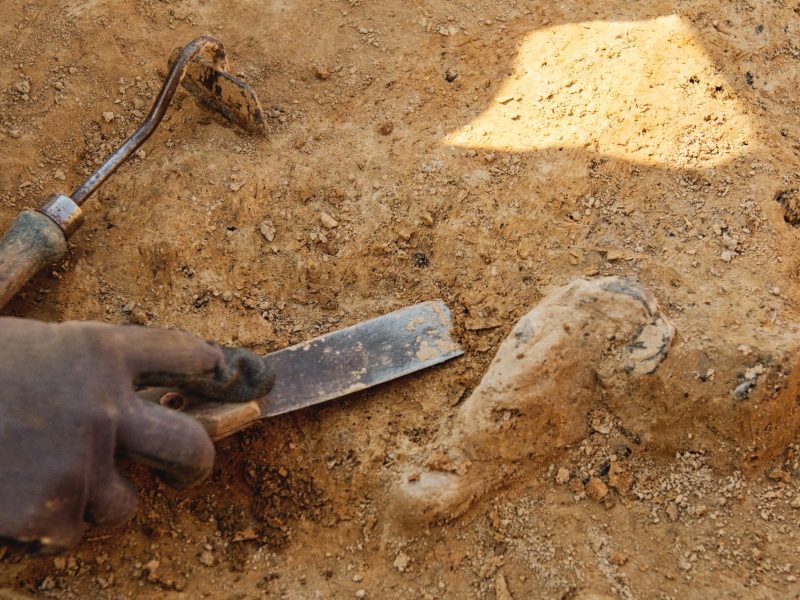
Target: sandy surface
{"points": [[481, 152]]}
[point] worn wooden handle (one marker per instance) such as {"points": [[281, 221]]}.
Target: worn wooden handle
{"points": [[219, 419], [33, 242]]}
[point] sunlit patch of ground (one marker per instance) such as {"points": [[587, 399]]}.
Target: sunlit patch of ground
{"points": [[642, 91]]}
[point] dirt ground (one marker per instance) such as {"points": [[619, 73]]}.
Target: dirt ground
{"points": [[478, 151]]}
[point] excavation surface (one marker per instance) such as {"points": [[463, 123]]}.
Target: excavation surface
{"points": [[482, 152]]}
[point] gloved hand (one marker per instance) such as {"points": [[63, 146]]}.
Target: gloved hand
{"points": [[67, 404]]}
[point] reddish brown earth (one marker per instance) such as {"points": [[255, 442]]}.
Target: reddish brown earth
{"points": [[481, 152]]}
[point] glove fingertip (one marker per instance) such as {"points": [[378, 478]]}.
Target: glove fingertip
{"points": [[244, 377], [112, 502], [252, 376]]}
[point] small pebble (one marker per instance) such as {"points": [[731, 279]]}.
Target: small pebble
{"points": [[778, 474], [322, 72], [562, 476], [596, 489], [328, 222], [501, 591], [401, 562], [672, 512], [267, 230], [108, 116], [23, 87]]}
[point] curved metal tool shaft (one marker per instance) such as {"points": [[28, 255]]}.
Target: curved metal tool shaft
{"points": [[37, 239], [174, 77]]}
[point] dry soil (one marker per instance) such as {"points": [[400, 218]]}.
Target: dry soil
{"points": [[481, 151]]}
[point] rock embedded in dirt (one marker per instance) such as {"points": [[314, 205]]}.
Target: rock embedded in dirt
{"points": [[562, 476], [617, 558], [328, 222], [602, 422], [778, 474], [322, 72], [401, 562], [672, 512], [620, 478], [420, 259], [267, 230], [790, 201], [501, 591], [539, 391], [596, 489], [23, 86]]}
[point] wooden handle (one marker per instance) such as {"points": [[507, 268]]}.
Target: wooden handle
{"points": [[219, 419], [33, 242]]}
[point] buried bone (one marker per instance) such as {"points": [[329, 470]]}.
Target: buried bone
{"points": [[538, 392]]}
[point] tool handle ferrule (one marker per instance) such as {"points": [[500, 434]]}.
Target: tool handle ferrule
{"points": [[66, 214]]}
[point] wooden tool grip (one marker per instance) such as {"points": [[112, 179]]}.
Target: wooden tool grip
{"points": [[219, 419], [223, 419], [33, 242]]}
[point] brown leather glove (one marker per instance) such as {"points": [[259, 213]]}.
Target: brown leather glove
{"points": [[67, 404]]}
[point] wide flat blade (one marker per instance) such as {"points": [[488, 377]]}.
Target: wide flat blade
{"points": [[341, 363], [217, 89], [359, 357], [222, 92]]}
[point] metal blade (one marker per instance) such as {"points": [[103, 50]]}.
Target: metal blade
{"points": [[217, 89], [341, 363], [359, 357]]}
